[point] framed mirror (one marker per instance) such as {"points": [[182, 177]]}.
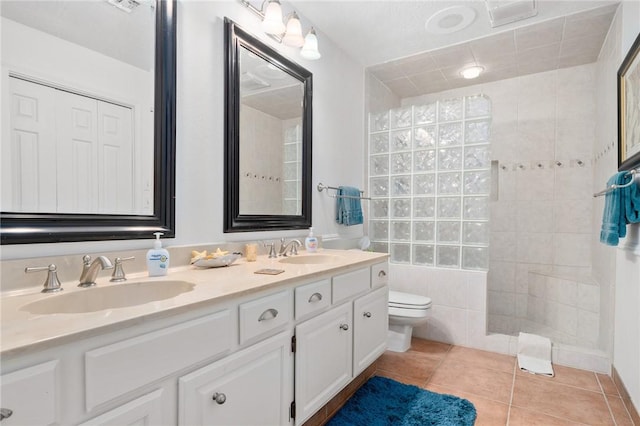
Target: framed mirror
{"points": [[268, 137], [88, 140]]}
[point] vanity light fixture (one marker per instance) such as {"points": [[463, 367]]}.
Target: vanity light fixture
{"points": [[472, 72], [290, 34]]}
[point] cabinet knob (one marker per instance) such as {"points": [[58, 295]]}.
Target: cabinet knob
{"points": [[315, 297], [382, 274], [344, 327], [219, 398], [5, 413], [367, 314], [270, 313]]}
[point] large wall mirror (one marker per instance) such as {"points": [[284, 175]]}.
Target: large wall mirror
{"points": [[88, 120], [268, 137]]}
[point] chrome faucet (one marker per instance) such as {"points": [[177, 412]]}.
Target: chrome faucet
{"points": [[294, 244], [90, 269]]}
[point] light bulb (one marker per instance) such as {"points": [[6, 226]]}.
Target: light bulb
{"points": [[310, 48], [293, 36], [272, 22], [471, 72]]}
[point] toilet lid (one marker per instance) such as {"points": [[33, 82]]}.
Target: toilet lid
{"points": [[398, 299]]}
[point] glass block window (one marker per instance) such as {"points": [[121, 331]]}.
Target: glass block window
{"points": [[292, 176], [429, 179]]}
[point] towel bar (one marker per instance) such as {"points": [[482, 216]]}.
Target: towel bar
{"points": [[614, 187], [322, 187]]}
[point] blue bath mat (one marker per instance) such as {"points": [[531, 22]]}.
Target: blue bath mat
{"points": [[385, 402]]}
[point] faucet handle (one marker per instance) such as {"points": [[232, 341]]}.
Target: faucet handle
{"points": [[272, 249], [118, 272], [51, 283]]}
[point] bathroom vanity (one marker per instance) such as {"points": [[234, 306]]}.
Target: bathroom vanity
{"points": [[229, 346]]}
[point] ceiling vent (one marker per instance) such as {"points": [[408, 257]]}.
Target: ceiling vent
{"points": [[506, 12]]}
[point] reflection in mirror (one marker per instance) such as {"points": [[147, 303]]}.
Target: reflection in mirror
{"points": [[88, 120], [268, 137], [79, 127]]}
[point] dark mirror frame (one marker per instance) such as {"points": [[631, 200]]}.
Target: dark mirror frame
{"points": [[22, 228], [236, 38]]}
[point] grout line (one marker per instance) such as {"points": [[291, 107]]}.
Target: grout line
{"points": [[513, 387], [606, 399]]}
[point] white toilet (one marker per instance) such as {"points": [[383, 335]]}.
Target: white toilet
{"points": [[405, 311]]}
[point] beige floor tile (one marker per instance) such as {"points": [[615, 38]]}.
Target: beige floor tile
{"points": [[483, 359], [522, 417], [464, 377], [620, 413], [568, 376], [561, 401], [402, 379], [431, 348], [408, 364], [490, 413], [607, 384]]}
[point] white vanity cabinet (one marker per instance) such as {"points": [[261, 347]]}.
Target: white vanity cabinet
{"points": [[251, 387], [20, 389], [270, 357]]}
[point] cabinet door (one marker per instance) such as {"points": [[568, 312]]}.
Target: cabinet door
{"points": [[28, 396], [251, 387], [146, 410], [323, 359], [370, 325]]}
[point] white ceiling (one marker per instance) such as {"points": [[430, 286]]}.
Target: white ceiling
{"points": [[94, 24], [389, 37]]}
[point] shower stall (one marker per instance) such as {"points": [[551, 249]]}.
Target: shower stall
{"points": [[497, 177]]}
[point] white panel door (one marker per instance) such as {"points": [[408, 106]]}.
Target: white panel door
{"points": [[115, 159], [78, 166], [370, 325], [251, 387], [323, 359], [28, 161]]}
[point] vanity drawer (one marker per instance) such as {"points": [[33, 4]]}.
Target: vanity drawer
{"points": [[349, 284], [124, 366], [265, 316], [312, 297], [379, 274], [30, 394]]}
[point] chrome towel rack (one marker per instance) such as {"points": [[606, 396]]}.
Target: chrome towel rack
{"points": [[613, 187], [322, 187]]}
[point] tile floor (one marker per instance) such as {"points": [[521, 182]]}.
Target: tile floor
{"points": [[501, 393]]}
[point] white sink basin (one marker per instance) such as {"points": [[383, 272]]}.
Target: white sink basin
{"points": [[311, 259], [108, 297]]}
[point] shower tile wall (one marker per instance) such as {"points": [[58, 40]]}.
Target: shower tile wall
{"points": [[543, 132]]}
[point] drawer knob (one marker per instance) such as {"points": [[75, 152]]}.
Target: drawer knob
{"points": [[315, 297], [5, 413], [367, 314], [382, 274], [219, 398], [344, 327], [268, 315]]}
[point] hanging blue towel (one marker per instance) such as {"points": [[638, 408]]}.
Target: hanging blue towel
{"points": [[621, 206], [348, 206]]}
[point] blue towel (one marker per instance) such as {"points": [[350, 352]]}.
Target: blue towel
{"points": [[621, 206], [349, 206]]}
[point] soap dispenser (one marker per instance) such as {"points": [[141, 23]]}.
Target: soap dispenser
{"points": [[157, 258], [311, 242]]}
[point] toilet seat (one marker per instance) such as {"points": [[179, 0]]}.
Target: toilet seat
{"points": [[401, 300]]}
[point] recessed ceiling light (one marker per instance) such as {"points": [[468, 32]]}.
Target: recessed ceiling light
{"points": [[450, 20], [471, 72]]}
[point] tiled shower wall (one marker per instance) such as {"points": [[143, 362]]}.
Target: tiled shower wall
{"points": [[543, 128]]}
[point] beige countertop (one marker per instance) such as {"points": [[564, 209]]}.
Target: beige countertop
{"points": [[23, 331]]}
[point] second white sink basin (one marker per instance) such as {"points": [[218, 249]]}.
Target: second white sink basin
{"points": [[108, 297], [311, 259]]}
